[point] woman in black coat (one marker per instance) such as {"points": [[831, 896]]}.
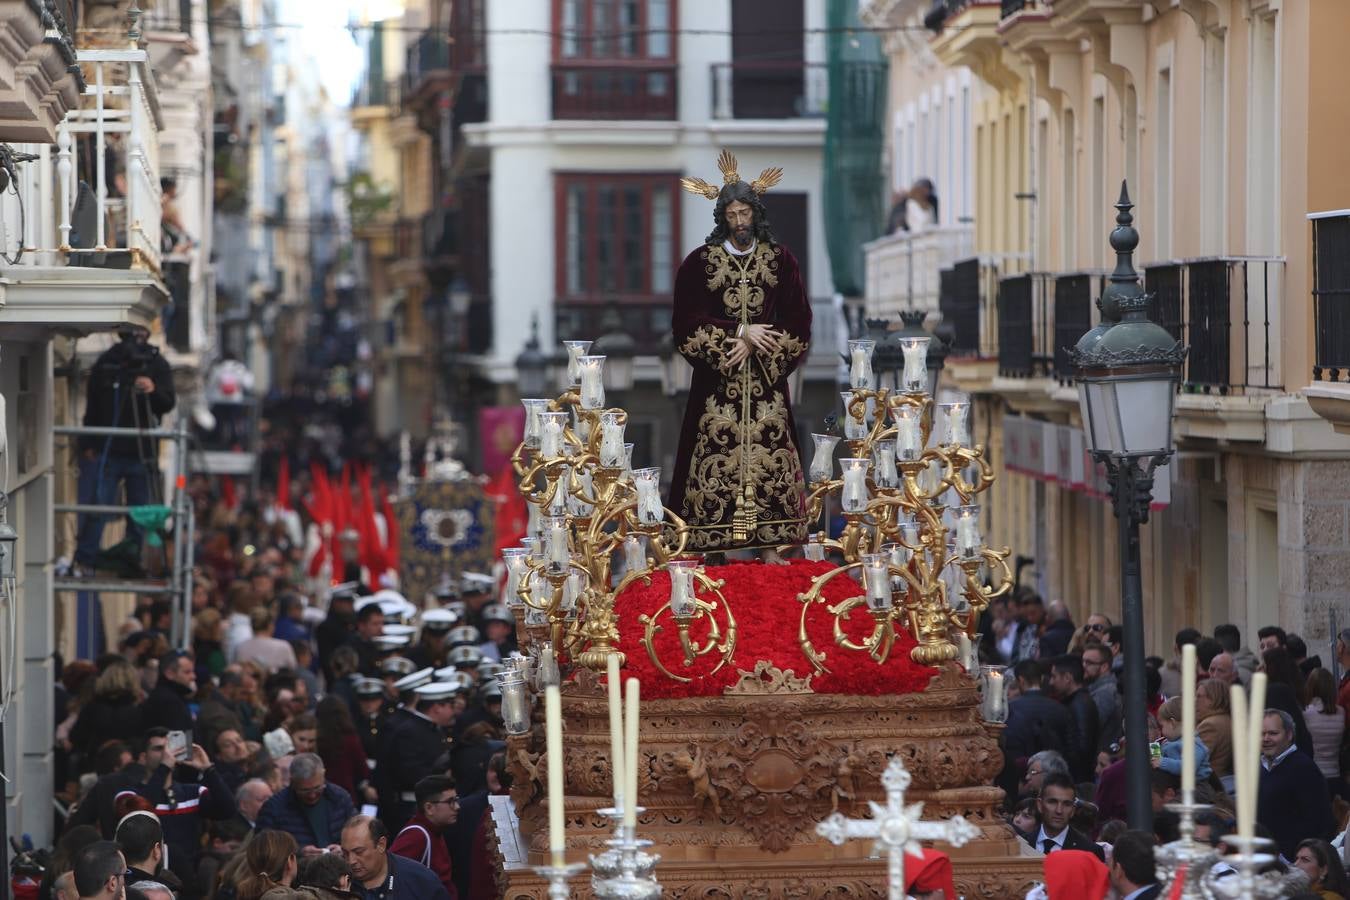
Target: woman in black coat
{"points": [[114, 714]]}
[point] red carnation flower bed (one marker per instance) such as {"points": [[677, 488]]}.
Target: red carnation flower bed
{"points": [[763, 598]]}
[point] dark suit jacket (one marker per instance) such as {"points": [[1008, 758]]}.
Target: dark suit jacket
{"points": [[1074, 840]]}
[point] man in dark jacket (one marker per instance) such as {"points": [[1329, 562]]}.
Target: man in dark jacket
{"points": [[416, 748], [1057, 804], [1058, 633], [1292, 800], [184, 792], [130, 386], [1066, 683], [378, 874], [167, 705], [1036, 722], [310, 810]]}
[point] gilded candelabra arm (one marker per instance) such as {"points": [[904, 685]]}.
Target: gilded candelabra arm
{"points": [[520, 460], [555, 588], [980, 595], [565, 401], [815, 500], [809, 598], [878, 644], [672, 524], [955, 475], [720, 639]]}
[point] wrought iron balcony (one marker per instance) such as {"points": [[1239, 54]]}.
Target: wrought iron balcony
{"points": [[1025, 325], [960, 302], [1331, 297], [636, 91], [769, 90], [1227, 309], [1074, 294]]}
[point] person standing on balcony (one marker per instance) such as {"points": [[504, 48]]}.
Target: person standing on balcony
{"points": [[915, 210], [130, 386], [742, 319]]}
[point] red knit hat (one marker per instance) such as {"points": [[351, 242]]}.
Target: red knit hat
{"points": [[1075, 875], [933, 873]]}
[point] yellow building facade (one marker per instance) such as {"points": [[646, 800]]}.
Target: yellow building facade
{"points": [[1223, 116]]}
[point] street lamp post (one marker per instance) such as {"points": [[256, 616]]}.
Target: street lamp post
{"points": [[532, 365], [619, 350], [1128, 375]]}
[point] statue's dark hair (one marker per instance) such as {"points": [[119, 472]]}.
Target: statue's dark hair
{"points": [[730, 194]]}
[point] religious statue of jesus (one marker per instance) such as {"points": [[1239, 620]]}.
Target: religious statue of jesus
{"points": [[742, 319]]}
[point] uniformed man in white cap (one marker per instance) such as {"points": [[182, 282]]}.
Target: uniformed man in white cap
{"points": [[403, 713], [432, 648], [391, 670], [499, 627], [417, 747], [372, 712]]}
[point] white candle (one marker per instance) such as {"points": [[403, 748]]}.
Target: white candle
{"points": [[634, 554], [858, 376], [967, 532], [1187, 722], [854, 496], [1257, 714], [876, 577], [647, 482], [611, 440], [592, 370], [883, 465], [558, 552], [630, 762], [553, 715], [908, 441], [963, 642], [1238, 703], [813, 550], [550, 436], [955, 414], [915, 375], [615, 726]]}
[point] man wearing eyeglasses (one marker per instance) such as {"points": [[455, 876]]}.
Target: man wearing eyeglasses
{"points": [[311, 810], [422, 839], [101, 872]]}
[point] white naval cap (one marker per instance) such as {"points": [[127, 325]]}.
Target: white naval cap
{"points": [[438, 691], [415, 680]]}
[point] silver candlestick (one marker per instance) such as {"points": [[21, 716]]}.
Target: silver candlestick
{"points": [[625, 871], [558, 876], [1249, 883], [1185, 859]]}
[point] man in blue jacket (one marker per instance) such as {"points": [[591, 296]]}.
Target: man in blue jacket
{"points": [[1292, 799], [310, 810], [379, 875]]}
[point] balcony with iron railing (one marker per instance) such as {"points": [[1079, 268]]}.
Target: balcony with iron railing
{"points": [[1226, 309], [903, 270], [82, 233], [638, 91], [168, 16], [769, 90], [1329, 392], [1026, 325], [426, 68]]}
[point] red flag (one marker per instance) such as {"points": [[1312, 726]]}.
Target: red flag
{"points": [[512, 512], [371, 553], [228, 495], [391, 554], [284, 482]]}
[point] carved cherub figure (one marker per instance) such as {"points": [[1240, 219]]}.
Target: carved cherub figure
{"points": [[845, 778], [696, 770]]}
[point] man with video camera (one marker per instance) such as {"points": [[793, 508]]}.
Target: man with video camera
{"points": [[130, 386]]}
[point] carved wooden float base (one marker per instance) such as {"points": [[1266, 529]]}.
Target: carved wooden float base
{"points": [[733, 787]]}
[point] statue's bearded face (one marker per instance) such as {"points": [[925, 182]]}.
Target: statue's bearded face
{"points": [[740, 223]]}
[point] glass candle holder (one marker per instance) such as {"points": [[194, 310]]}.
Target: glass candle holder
{"points": [[535, 617], [533, 529], [515, 702], [582, 426], [575, 350], [898, 555], [682, 586], [634, 553], [515, 559], [908, 432], [611, 439], [575, 504], [592, 370], [993, 694], [884, 473], [573, 588], [854, 497], [910, 534], [535, 547], [957, 430], [533, 409], [914, 377], [968, 543], [860, 364], [548, 674], [555, 539], [647, 482], [877, 580], [557, 504], [930, 482], [822, 462], [551, 428], [813, 549], [855, 430]]}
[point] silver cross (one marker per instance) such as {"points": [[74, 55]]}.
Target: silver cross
{"points": [[896, 827]]}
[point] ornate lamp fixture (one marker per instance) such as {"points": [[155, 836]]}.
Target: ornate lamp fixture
{"points": [[1128, 376], [532, 365], [905, 468]]}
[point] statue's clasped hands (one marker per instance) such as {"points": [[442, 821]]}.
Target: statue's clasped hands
{"points": [[753, 338]]}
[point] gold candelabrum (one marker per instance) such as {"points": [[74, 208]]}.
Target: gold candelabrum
{"points": [[913, 550], [596, 526]]}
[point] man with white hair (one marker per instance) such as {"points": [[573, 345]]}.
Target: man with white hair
{"points": [[310, 809], [250, 798], [154, 890]]}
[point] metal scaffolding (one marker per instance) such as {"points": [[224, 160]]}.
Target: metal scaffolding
{"points": [[178, 585]]}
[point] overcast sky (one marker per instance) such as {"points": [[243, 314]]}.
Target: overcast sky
{"points": [[325, 40]]}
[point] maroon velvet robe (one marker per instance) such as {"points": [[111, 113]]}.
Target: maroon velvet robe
{"points": [[738, 476]]}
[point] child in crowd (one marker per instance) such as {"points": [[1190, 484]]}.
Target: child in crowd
{"points": [[1169, 723]]}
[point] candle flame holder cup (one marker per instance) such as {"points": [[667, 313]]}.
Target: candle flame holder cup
{"points": [[515, 701], [686, 608], [558, 876]]}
